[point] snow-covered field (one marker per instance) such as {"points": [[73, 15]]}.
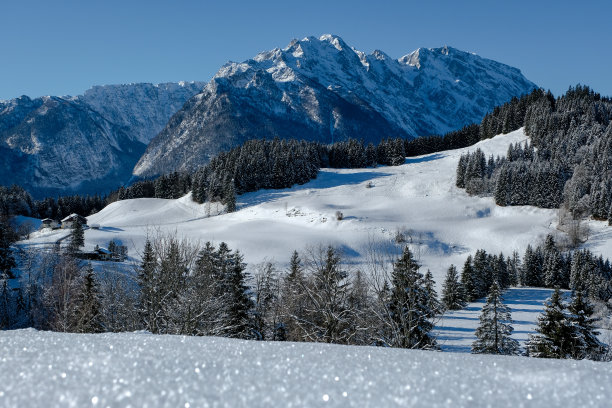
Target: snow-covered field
{"points": [[43, 369], [444, 224]]}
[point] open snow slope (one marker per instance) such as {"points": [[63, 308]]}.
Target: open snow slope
{"points": [[140, 370], [445, 223]]}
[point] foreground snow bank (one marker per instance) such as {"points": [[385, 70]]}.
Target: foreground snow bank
{"points": [[55, 369]]}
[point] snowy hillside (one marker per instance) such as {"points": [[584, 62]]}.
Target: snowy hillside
{"points": [[321, 89], [87, 143], [441, 222], [55, 369]]}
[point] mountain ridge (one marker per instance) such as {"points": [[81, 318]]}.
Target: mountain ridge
{"points": [[324, 90], [86, 143]]}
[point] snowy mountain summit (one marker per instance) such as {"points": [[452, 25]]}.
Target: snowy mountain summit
{"points": [[322, 89]]}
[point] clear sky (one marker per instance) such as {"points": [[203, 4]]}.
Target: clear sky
{"points": [[63, 47]]}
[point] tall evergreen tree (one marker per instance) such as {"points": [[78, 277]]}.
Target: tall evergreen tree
{"points": [[468, 280], [7, 259], [555, 338], [149, 303], [433, 303], [410, 306], [87, 311], [586, 344], [453, 296], [77, 237], [493, 333], [240, 305]]}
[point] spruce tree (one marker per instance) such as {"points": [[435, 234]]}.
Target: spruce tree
{"points": [[586, 343], [240, 305], [453, 296], [493, 333], [409, 305], [433, 303], [7, 259], [230, 196], [77, 237], [555, 338], [468, 280], [148, 279], [87, 316]]}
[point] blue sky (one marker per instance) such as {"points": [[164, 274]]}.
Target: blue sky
{"points": [[64, 47]]}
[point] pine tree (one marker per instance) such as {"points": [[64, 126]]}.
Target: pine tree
{"points": [[586, 343], [555, 338], [77, 237], [240, 305], [433, 303], [468, 281], [409, 305], [453, 296], [230, 196], [149, 302], [493, 333], [532, 268], [7, 259], [87, 316]]}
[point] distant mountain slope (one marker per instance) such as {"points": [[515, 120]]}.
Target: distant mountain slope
{"points": [[86, 143], [322, 89]]}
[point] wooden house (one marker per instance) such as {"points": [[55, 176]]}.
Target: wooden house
{"points": [[69, 220], [49, 223]]}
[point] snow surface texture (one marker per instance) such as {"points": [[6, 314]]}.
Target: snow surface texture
{"points": [[45, 369], [86, 143], [442, 224], [321, 89]]}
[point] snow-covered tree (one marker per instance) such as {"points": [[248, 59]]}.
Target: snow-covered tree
{"points": [[87, 318], [556, 334], [493, 333], [409, 305], [453, 295], [586, 344], [77, 237]]}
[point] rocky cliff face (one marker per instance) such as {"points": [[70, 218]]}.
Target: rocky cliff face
{"points": [[322, 89], [88, 143]]}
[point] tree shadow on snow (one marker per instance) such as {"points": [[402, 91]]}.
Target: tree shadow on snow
{"points": [[325, 179], [433, 157]]}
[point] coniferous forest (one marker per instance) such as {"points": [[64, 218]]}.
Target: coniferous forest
{"points": [[567, 161]]}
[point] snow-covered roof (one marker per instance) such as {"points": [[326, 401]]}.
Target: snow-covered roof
{"points": [[72, 217], [48, 220], [103, 251]]}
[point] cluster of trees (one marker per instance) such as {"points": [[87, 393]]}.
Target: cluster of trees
{"points": [[560, 334], [563, 331], [183, 288], [14, 200], [569, 161], [566, 331], [544, 266]]}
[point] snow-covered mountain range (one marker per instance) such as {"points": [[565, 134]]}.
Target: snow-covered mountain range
{"points": [[322, 89], [315, 89], [86, 143]]}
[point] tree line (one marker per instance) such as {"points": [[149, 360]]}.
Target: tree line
{"points": [[180, 287], [568, 162]]}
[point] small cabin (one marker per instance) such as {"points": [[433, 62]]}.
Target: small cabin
{"points": [[49, 223], [103, 254], [69, 220]]}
